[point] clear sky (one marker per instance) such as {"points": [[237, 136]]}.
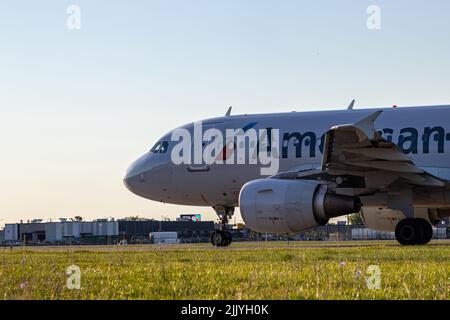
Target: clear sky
{"points": [[77, 106]]}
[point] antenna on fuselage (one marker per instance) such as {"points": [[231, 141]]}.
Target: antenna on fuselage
{"points": [[352, 104], [228, 112]]}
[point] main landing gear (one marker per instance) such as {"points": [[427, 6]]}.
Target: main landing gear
{"points": [[413, 232], [222, 237]]}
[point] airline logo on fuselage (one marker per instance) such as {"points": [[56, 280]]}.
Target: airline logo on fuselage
{"points": [[409, 140], [267, 146]]}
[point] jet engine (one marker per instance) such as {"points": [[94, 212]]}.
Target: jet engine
{"points": [[381, 219], [285, 206], [384, 219]]}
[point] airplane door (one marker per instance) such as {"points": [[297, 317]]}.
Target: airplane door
{"points": [[198, 168]]}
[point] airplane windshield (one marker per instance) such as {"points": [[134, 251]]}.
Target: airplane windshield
{"points": [[164, 147], [160, 147]]}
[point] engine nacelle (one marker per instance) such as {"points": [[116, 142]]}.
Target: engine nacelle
{"points": [[429, 204], [381, 219], [285, 206], [385, 219]]}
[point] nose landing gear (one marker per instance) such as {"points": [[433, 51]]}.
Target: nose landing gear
{"points": [[222, 237], [413, 232]]}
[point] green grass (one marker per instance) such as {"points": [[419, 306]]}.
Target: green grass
{"points": [[298, 270]]}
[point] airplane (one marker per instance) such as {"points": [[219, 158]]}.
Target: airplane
{"points": [[390, 164]]}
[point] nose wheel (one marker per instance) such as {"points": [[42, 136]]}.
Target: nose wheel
{"points": [[222, 237], [413, 232]]}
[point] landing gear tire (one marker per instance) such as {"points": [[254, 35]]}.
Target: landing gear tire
{"points": [[229, 237], [221, 238], [405, 232], [410, 232], [216, 239], [427, 230]]}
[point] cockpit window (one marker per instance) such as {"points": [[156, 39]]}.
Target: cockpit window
{"points": [[160, 147], [156, 147], [164, 147]]}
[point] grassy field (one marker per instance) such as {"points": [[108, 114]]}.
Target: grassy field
{"points": [[296, 270]]}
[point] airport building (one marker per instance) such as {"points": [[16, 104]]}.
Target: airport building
{"points": [[59, 232], [102, 231]]}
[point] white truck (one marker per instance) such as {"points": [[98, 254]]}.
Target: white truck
{"points": [[164, 238]]}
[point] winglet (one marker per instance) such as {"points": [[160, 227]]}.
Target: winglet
{"points": [[228, 112], [352, 104], [367, 125]]}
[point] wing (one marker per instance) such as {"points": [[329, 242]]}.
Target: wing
{"points": [[358, 161], [359, 149]]}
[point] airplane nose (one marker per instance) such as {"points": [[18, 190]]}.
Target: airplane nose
{"points": [[148, 177], [130, 183], [134, 175]]}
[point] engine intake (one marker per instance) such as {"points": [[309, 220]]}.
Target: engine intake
{"points": [[285, 206]]}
